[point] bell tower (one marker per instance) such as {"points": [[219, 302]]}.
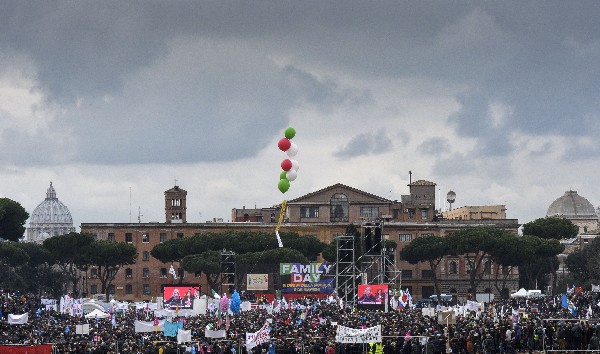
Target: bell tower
{"points": [[175, 205]]}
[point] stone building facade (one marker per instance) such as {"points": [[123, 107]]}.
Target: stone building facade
{"points": [[325, 214]]}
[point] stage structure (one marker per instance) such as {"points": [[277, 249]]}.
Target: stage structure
{"points": [[372, 261]]}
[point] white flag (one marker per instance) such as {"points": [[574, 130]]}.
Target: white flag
{"points": [[173, 272]]}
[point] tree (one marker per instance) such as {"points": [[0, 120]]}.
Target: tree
{"points": [[430, 249], [507, 255], [11, 255], [584, 263], [551, 228], [109, 257], [541, 259], [36, 272], [476, 245], [67, 252], [208, 262], [12, 219]]}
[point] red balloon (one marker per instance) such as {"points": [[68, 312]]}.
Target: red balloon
{"points": [[284, 144], [286, 165]]}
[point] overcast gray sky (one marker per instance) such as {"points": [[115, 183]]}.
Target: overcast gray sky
{"points": [[498, 101]]}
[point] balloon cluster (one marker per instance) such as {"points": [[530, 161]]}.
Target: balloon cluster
{"points": [[235, 303], [289, 165]]}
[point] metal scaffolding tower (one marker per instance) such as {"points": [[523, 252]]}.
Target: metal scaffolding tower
{"points": [[228, 269], [376, 264], [346, 271]]}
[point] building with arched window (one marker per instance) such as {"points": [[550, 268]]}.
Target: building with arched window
{"points": [[324, 214]]}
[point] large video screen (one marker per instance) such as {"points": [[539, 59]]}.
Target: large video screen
{"points": [[181, 296], [372, 295]]}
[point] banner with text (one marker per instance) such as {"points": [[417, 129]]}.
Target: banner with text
{"points": [[307, 277], [353, 335], [258, 338], [257, 282]]}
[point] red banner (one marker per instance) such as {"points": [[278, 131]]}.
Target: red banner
{"points": [[26, 349]]}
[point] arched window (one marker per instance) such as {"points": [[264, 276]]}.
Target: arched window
{"points": [[453, 267], [487, 267], [339, 207]]}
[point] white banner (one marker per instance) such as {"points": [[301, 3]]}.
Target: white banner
{"points": [[82, 329], [48, 302], [257, 282], [18, 319], [143, 305], [352, 335], [473, 306], [214, 334], [184, 336], [142, 326], [70, 306], [258, 338]]}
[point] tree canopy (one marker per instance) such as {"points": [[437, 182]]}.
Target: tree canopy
{"points": [[12, 220], [584, 263], [109, 257], [553, 227], [430, 249]]}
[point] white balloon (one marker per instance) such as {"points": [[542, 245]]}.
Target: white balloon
{"points": [[295, 165], [291, 175], [292, 151]]}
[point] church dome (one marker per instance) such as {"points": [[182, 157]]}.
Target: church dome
{"points": [[571, 204], [51, 210], [50, 218]]}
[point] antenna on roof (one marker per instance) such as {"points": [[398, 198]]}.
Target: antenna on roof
{"points": [[130, 205], [409, 177], [139, 215]]}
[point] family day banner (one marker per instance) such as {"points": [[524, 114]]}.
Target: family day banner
{"points": [[307, 277], [353, 335], [257, 282]]}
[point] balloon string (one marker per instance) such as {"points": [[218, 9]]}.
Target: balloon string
{"points": [[281, 214]]}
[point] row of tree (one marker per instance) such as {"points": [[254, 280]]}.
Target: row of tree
{"points": [[534, 253], [54, 267], [255, 252]]}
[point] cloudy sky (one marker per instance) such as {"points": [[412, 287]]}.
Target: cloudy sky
{"points": [[498, 101]]}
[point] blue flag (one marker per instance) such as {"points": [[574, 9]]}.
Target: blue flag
{"points": [[170, 329], [566, 303]]}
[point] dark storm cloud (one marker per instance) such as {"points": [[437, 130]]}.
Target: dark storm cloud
{"points": [[474, 120], [539, 58], [370, 143], [434, 146]]}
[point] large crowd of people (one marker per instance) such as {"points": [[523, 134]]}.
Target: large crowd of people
{"points": [[308, 325]]}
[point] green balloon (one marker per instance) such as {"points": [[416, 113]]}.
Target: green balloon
{"points": [[283, 175], [290, 133], [283, 185]]}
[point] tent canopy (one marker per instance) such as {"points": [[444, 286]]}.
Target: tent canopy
{"points": [[95, 313], [521, 293]]}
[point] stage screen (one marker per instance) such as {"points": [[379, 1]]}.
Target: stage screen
{"points": [[181, 296], [372, 295]]}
